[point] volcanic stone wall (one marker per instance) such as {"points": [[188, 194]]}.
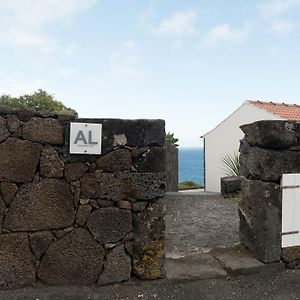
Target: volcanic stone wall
{"points": [[80, 219], [269, 149]]}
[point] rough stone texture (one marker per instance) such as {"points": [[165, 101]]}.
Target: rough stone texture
{"points": [[74, 259], [83, 213], [149, 231], [291, 257], [4, 133], [44, 130], [50, 164], [117, 267], [117, 160], [8, 191], [139, 133], [2, 212], [75, 171], [110, 224], [13, 123], [103, 186], [124, 204], [230, 185], [19, 160], [62, 232], [260, 219], [17, 269], [147, 186], [40, 242], [41, 206], [149, 160], [273, 134], [266, 164]]}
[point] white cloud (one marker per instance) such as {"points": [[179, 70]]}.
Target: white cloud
{"points": [[282, 27], [277, 7], [273, 13], [180, 23], [124, 61], [66, 72], [223, 33], [16, 87], [22, 23]]}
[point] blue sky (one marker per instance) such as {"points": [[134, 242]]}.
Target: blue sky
{"points": [[189, 62]]}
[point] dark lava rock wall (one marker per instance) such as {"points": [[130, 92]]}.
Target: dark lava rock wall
{"points": [[268, 150], [80, 219]]}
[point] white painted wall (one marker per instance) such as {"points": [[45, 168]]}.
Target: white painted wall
{"points": [[225, 138]]}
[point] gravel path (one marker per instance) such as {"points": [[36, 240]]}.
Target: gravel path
{"points": [[196, 223]]}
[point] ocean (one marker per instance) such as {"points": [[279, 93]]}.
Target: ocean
{"points": [[191, 165]]}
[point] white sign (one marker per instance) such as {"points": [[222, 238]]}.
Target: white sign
{"points": [[85, 138]]}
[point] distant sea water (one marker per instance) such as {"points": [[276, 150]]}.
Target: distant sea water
{"points": [[191, 165]]}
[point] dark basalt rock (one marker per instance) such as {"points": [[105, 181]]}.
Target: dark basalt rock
{"points": [[41, 206], [8, 191], [19, 160], [117, 160], [260, 219], [117, 267], [50, 164], [266, 164], [44, 130], [230, 186], [4, 133], [75, 171], [275, 134], [109, 225], [17, 269], [149, 160], [40, 242], [75, 259], [2, 213]]}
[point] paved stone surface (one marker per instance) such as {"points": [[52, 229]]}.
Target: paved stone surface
{"points": [[239, 261], [199, 221], [280, 286], [200, 266]]}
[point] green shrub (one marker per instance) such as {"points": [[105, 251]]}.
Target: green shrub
{"points": [[189, 185], [231, 164], [171, 139]]}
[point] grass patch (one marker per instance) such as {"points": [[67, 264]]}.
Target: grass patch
{"points": [[189, 185]]}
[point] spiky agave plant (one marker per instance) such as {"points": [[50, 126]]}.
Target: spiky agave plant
{"points": [[231, 164]]}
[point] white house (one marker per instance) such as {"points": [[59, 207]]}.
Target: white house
{"points": [[225, 138]]}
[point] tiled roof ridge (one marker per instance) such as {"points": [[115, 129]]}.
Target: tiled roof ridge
{"points": [[271, 102]]}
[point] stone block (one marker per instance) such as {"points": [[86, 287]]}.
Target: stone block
{"points": [[138, 133], [17, 269], [109, 225], [291, 257], [19, 160], [40, 242], [7, 110], [75, 171], [146, 186], [273, 134], [45, 205], [75, 259], [260, 219], [44, 130], [266, 164], [117, 267], [82, 214], [13, 123], [51, 164], [117, 160], [8, 191], [149, 247], [4, 133], [2, 213], [103, 186], [149, 160], [230, 185]]}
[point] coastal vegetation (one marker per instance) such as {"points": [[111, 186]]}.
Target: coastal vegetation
{"points": [[38, 101], [171, 139], [189, 185]]}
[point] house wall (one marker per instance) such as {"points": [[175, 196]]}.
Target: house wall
{"points": [[225, 138], [72, 219]]}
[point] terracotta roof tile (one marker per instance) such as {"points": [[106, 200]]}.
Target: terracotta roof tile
{"points": [[283, 110]]}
